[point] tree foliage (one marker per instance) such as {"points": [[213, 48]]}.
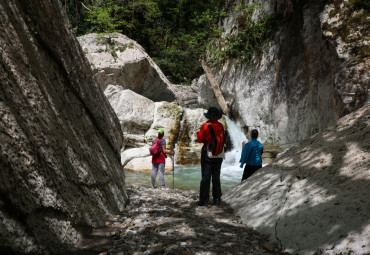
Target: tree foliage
{"points": [[175, 33]]}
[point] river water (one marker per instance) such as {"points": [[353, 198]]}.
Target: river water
{"points": [[188, 177]]}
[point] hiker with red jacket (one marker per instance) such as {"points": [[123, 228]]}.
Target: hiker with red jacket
{"points": [[211, 134], [159, 158]]}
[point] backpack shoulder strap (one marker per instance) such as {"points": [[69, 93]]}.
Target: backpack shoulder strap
{"points": [[214, 141], [211, 130]]}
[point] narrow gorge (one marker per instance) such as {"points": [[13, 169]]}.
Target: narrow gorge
{"points": [[79, 111]]}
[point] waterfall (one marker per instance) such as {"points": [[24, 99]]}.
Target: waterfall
{"points": [[231, 174], [237, 137], [230, 167]]}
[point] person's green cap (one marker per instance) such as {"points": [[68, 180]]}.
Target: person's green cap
{"points": [[161, 131]]}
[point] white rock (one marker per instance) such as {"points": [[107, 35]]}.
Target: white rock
{"points": [[125, 63], [145, 165], [313, 197]]}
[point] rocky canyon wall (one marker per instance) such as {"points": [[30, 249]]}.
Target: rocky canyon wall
{"points": [[144, 101], [313, 71], [60, 171], [313, 198]]}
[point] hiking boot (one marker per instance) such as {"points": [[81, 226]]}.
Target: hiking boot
{"points": [[202, 203], [217, 201]]}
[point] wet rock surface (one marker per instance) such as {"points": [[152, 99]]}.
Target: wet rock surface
{"points": [[166, 221]]}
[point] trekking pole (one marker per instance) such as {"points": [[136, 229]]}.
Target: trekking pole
{"points": [[173, 171]]}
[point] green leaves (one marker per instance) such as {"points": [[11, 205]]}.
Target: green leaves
{"points": [[359, 4], [249, 39], [176, 33]]}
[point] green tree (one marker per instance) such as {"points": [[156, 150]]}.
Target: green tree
{"points": [[175, 33]]}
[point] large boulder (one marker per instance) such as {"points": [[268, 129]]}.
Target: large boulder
{"points": [[135, 114], [144, 164], [313, 71], [118, 60], [60, 171], [314, 199], [140, 119]]}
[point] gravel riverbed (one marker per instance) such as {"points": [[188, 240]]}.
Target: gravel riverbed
{"points": [[166, 221]]}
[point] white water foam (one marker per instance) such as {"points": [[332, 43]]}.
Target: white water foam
{"points": [[231, 173], [230, 169]]}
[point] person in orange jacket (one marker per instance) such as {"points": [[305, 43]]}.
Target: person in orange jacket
{"points": [[211, 167]]}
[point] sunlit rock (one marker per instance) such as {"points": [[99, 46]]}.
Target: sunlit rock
{"points": [[313, 71], [120, 61], [129, 154], [144, 165], [167, 116], [135, 113], [313, 198], [140, 119]]}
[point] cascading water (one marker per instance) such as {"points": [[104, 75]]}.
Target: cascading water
{"points": [[188, 177], [237, 137], [230, 167]]}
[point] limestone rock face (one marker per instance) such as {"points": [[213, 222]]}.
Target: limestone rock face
{"points": [[188, 149], [129, 154], [314, 197], [140, 119], [60, 170], [347, 30], [305, 79], [144, 164], [135, 114], [118, 60], [166, 116]]}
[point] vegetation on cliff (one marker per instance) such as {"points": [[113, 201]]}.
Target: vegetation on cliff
{"points": [[175, 33]]}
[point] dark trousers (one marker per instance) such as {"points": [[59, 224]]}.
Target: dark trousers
{"points": [[249, 170], [211, 168]]}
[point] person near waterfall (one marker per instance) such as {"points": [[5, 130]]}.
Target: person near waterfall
{"points": [[211, 134], [158, 161], [251, 155]]}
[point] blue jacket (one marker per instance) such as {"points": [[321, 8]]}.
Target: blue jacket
{"points": [[252, 153]]}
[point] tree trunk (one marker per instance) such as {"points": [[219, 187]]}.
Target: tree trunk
{"points": [[216, 87]]}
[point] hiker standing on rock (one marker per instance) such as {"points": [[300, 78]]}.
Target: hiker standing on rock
{"points": [[251, 155], [211, 134], [158, 151]]}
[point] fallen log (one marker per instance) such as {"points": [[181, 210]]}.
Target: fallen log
{"points": [[216, 87]]}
